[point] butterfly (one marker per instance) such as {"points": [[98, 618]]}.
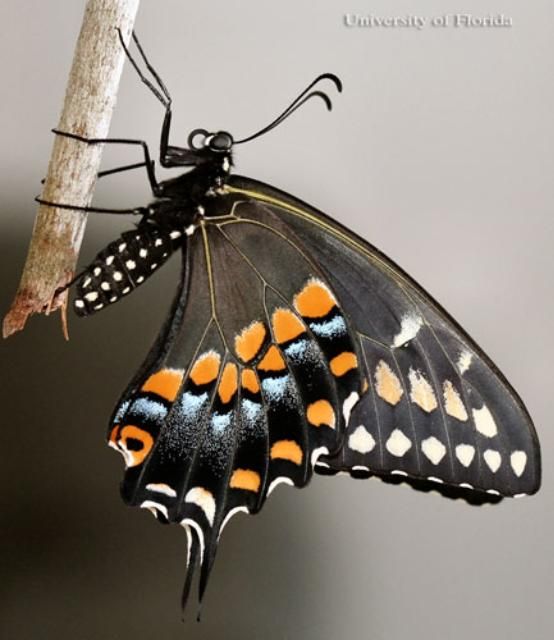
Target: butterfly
{"points": [[292, 347]]}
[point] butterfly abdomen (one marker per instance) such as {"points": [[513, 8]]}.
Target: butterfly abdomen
{"points": [[122, 266]]}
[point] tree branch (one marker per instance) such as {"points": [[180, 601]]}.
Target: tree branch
{"points": [[89, 101]]}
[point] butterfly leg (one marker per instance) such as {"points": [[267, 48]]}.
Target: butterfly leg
{"points": [[137, 211], [148, 162]]}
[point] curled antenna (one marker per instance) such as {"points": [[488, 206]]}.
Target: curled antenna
{"points": [[301, 99], [161, 92]]}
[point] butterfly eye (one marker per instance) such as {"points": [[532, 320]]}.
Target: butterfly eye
{"points": [[220, 141], [197, 139]]}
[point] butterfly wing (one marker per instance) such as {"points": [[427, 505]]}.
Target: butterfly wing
{"points": [[239, 393], [436, 411], [292, 344]]}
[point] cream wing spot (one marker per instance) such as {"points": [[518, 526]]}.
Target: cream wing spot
{"points": [[465, 454], [361, 440], [204, 499], [493, 459], [398, 444], [518, 461], [387, 384], [453, 404], [421, 392], [433, 449], [484, 422]]}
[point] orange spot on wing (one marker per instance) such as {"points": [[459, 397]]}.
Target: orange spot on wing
{"points": [[315, 300], [272, 361], [165, 383], [321, 413], [135, 457], [287, 450], [249, 341], [245, 479], [343, 363], [206, 368], [286, 325], [249, 380], [228, 383]]}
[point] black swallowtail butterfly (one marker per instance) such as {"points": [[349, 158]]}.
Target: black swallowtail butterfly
{"points": [[292, 346]]}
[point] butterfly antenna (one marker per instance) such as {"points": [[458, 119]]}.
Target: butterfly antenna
{"points": [[165, 99], [301, 99]]}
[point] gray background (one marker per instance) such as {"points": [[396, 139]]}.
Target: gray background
{"points": [[440, 153]]}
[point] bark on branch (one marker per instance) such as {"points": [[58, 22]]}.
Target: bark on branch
{"points": [[89, 101]]}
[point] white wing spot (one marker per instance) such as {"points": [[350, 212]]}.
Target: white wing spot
{"points": [[398, 444], [140, 279], [143, 253], [126, 290], [348, 405], [153, 507], [278, 481], [204, 499], [466, 485], [316, 453], [130, 264], [79, 304], [122, 247], [484, 422], [464, 361], [98, 307], [409, 328], [160, 487], [92, 296], [87, 281], [361, 440], [421, 392], [153, 265], [97, 271], [105, 286], [109, 260], [113, 298], [465, 454], [158, 242], [493, 459], [399, 472], [433, 449], [435, 479], [117, 276], [231, 513], [518, 460], [175, 234]]}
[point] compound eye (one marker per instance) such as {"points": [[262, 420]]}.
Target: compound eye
{"points": [[221, 141], [197, 139]]}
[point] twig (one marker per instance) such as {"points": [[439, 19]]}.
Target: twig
{"points": [[89, 101]]}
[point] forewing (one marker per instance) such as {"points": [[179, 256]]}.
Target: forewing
{"points": [[435, 411]]}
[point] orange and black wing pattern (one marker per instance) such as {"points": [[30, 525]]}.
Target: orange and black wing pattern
{"points": [[251, 381]]}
